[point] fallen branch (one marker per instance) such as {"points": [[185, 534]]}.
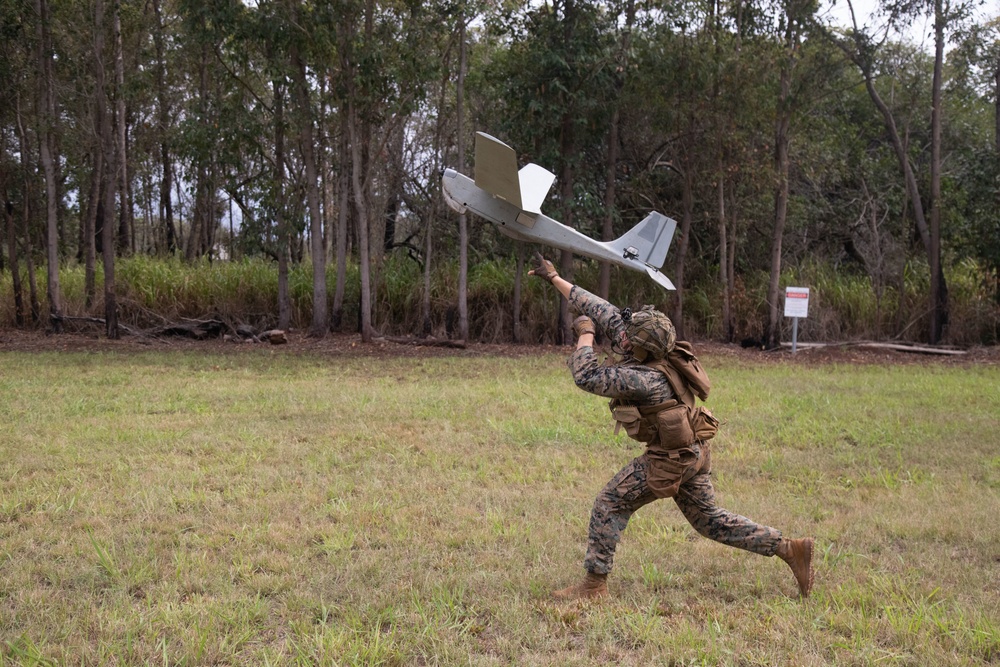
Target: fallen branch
{"points": [[423, 342], [196, 329], [914, 348], [93, 320], [900, 347]]}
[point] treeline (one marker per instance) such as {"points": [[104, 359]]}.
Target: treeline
{"points": [[288, 137]]}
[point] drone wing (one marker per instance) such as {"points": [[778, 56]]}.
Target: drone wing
{"points": [[496, 173]]}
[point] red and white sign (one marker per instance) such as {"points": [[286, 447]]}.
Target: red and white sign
{"points": [[796, 301]]}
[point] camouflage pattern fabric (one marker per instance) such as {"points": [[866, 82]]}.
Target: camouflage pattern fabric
{"points": [[651, 332], [605, 315], [627, 491], [630, 380]]}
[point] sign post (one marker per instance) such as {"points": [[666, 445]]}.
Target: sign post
{"points": [[796, 306]]}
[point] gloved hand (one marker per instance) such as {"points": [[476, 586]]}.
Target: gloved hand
{"points": [[544, 269], [583, 325]]}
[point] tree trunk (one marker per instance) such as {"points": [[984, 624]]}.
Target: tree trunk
{"points": [[15, 273], [47, 118], [518, 281], [89, 225], [727, 322], [324, 168], [147, 243], [105, 122], [564, 331], [996, 103], [463, 223], [426, 324], [939, 295], [687, 214], [166, 209], [26, 214], [320, 319], [611, 168], [567, 150], [124, 198], [395, 149], [425, 303], [180, 212], [781, 166], [362, 210], [608, 226], [284, 299], [15, 268], [343, 218], [29, 262], [732, 236], [194, 246]]}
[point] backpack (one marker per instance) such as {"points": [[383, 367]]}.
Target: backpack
{"points": [[676, 423]]}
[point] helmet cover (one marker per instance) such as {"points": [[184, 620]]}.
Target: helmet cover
{"points": [[651, 333]]}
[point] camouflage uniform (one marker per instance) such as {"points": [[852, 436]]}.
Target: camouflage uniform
{"points": [[628, 490]]}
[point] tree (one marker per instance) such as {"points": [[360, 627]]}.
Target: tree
{"points": [[862, 50], [620, 65], [463, 231], [47, 116], [106, 122], [559, 52], [304, 115], [163, 120], [796, 14]]}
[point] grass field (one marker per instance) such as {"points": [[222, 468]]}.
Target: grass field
{"points": [[267, 508]]}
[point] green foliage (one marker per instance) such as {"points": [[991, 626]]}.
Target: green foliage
{"points": [[696, 87], [843, 304]]}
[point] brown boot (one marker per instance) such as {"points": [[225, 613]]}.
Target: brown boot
{"points": [[592, 587], [798, 554]]}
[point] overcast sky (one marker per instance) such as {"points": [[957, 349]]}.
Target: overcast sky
{"points": [[922, 30]]}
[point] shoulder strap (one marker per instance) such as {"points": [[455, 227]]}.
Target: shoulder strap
{"points": [[685, 373], [683, 359], [677, 382]]}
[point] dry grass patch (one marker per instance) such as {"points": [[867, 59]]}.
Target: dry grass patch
{"points": [[186, 508]]}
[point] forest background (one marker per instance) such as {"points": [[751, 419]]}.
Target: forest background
{"points": [[277, 163]]}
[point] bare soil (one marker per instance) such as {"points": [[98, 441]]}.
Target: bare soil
{"points": [[12, 340]]}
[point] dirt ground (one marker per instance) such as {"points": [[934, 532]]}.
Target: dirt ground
{"points": [[12, 340]]}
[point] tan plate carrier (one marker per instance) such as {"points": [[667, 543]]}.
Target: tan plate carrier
{"points": [[670, 429]]}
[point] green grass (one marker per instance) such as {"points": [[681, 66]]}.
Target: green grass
{"points": [[266, 508]]}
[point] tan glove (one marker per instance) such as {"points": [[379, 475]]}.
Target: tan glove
{"points": [[544, 269], [583, 325]]}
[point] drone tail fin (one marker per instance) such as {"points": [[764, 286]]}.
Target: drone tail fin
{"points": [[648, 241]]}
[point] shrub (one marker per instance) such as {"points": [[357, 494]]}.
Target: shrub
{"points": [[843, 305]]}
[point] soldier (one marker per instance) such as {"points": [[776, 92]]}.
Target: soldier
{"points": [[654, 402]]}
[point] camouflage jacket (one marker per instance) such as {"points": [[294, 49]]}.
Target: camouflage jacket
{"points": [[628, 381]]}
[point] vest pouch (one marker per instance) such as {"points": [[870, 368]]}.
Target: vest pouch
{"points": [[674, 427], [636, 426], [668, 470], [704, 424]]}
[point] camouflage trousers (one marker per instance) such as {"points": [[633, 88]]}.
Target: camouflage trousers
{"points": [[627, 491]]}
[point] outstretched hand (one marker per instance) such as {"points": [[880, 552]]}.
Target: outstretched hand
{"points": [[544, 269]]}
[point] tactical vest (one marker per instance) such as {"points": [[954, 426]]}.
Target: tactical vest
{"points": [[669, 429]]}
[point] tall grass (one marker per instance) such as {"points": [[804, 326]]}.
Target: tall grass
{"points": [[843, 305]]}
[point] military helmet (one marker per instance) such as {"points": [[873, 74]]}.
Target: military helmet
{"points": [[650, 332]]}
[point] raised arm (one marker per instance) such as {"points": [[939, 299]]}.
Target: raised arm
{"points": [[604, 314]]}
